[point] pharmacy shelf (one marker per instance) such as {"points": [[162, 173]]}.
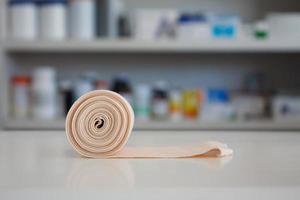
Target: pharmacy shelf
{"points": [[164, 125], [160, 46]]}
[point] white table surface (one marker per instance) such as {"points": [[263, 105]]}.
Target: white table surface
{"points": [[42, 165]]}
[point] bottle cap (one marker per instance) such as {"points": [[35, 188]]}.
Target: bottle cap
{"points": [[21, 80]]}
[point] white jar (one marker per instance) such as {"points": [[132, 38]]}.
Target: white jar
{"points": [[83, 19], [23, 19], [53, 19], [44, 93]]}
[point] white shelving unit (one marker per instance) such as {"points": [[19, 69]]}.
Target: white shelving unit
{"points": [[160, 46], [277, 58]]}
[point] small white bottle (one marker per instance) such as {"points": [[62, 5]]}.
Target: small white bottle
{"points": [[142, 102], [21, 96], [115, 9], [53, 19], [23, 19], [44, 90], [160, 108], [83, 19]]}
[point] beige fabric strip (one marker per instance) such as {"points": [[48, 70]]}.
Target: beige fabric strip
{"points": [[99, 124]]}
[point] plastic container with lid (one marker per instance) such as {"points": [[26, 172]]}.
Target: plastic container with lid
{"points": [[225, 26], [193, 27], [23, 19], [44, 90], [261, 30], [83, 19], [191, 100], [122, 85], [160, 107], [21, 96], [175, 105], [53, 19], [249, 106], [217, 106]]}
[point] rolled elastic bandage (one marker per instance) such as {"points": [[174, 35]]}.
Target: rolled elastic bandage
{"points": [[100, 122]]}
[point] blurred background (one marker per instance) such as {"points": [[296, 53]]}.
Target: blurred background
{"points": [[189, 65]]}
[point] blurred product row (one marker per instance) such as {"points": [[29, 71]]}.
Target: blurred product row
{"points": [[89, 19], [42, 96]]}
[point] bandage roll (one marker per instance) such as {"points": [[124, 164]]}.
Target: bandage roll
{"points": [[99, 124]]}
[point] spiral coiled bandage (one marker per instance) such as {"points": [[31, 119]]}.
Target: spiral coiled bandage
{"points": [[100, 122]]}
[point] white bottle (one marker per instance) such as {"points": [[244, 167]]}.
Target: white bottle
{"points": [[83, 19], [44, 93], [142, 102], [23, 19], [85, 83], [21, 96], [115, 10], [53, 20], [160, 108]]}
